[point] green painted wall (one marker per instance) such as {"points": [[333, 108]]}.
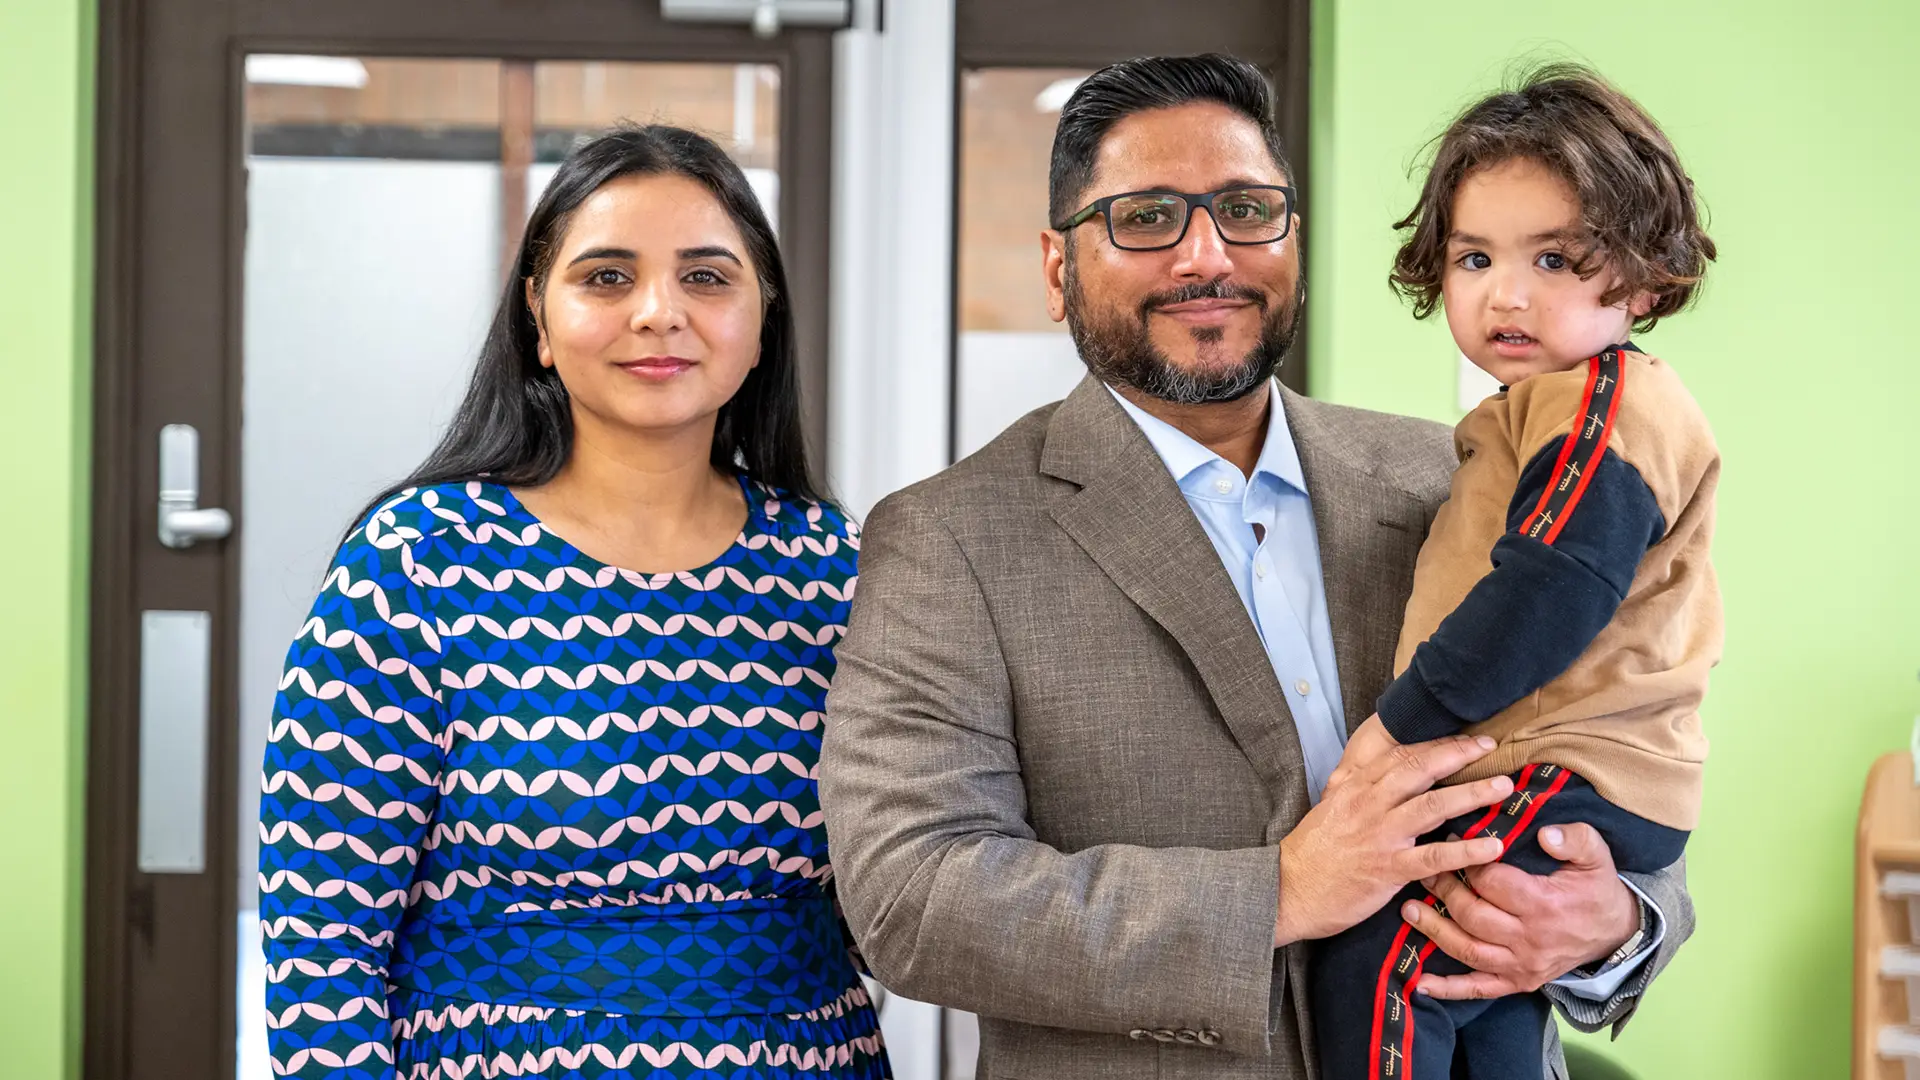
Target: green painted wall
{"points": [[46, 124], [1798, 124]]}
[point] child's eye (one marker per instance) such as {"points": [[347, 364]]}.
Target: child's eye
{"points": [[1551, 260], [1474, 260]]}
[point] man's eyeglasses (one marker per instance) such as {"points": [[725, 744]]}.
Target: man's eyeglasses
{"points": [[1151, 220]]}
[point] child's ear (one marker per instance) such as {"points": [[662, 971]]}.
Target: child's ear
{"points": [[1641, 304]]}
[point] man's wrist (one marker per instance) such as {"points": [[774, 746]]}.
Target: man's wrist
{"points": [[1284, 933], [1629, 947]]}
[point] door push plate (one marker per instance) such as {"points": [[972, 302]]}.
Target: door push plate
{"points": [[176, 653]]}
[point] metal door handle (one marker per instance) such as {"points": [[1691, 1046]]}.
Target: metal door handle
{"points": [[182, 520]]}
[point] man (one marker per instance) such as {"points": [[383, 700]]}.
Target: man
{"points": [[1098, 675]]}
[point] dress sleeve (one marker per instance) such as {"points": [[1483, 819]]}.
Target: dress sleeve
{"points": [[349, 786], [1559, 573]]}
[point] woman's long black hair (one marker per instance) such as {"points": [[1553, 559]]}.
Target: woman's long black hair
{"points": [[515, 425]]}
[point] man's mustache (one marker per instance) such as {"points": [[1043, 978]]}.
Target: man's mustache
{"points": [[1216, 289]]}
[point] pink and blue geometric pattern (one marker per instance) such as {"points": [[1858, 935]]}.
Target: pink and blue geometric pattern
{"points": [[528, 814]]}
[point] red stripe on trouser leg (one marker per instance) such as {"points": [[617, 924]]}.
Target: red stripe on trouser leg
{"points": [[1380, 1004], [1533, 807], [1413, 980], [1493, 811], [1387, 1061]]}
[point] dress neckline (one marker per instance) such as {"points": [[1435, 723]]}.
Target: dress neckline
{"points": [[757, 522]]}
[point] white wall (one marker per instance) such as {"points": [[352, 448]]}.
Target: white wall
{"points": [[892, 251], [1005, 375]]}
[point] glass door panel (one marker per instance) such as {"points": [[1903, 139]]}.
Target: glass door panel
{"points": [[1010, 357], [737, 105]]}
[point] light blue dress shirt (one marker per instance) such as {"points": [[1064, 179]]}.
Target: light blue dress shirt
{"points": [[1276, 570]]}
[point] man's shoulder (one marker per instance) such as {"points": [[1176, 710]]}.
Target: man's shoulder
{"points": [[1004, 472], [1383, 428], [1408, 452]]}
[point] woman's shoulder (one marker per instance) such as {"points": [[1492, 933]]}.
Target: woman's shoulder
{"points": [[412, 517], [797, 517]]}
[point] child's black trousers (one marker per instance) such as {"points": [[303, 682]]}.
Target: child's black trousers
{"points": [[1369, 1023]]}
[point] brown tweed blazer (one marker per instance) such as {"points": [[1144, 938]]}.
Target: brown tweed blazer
{"points": [[1058, 764]]}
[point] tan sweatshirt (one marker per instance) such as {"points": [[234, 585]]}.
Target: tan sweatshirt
{"points": [[1564, 602]]}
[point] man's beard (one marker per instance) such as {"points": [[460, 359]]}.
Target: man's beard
{"points": [[1121, 352]]}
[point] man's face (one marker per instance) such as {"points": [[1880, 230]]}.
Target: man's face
{"points": [[1203, 320]]}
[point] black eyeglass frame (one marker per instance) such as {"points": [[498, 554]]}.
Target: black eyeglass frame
{"points": [[1195, 203]]}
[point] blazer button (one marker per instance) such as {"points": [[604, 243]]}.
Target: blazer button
{"points": [[1138, 1034], [1163, 1036], [1185, 1037], [1209, 1037]]}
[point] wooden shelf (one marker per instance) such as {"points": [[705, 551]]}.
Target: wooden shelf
{"points": [[1888, 840]]}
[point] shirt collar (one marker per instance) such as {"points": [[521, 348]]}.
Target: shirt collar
{"points": [[1184, 456]]}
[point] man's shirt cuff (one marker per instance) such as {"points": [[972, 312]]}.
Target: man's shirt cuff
{"points": [[1602, 986]]}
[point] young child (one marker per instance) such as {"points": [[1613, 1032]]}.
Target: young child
{"points": [[1563, 602]]}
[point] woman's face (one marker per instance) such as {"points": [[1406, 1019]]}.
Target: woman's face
{"points": [[651, 314]]}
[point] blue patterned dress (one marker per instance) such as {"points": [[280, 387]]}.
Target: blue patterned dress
{"points": [[526, 814]]}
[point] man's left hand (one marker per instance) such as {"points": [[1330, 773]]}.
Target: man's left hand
{"points": [[1519, 932]]}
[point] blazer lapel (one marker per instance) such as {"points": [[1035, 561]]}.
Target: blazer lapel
{"points": [[1370, 533], [1131, 519]]}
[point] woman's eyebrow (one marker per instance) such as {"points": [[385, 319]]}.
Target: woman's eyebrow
{"points": [[711, 251], [604, 253]]}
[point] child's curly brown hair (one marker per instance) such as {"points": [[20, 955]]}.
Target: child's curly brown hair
{"points": [[1637, 210]]}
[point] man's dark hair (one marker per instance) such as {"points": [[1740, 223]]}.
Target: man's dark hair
{"points": [[1638, 216], [1117, 91]]}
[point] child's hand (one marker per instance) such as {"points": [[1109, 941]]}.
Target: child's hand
{"points": [[1368, 741]]}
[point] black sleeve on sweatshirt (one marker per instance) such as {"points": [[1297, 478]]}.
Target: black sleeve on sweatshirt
{"points": [[1543, 603]]}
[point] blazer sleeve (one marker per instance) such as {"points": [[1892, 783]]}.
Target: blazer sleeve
{"points": [[1667, 888], [1550, 593], [349, 785], [952, 897]]}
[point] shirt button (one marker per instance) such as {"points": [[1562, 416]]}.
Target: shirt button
{"points": [[1260, 568], [1303, 687], [1224, 487]]}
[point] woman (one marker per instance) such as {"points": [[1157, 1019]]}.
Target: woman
{"points": [[539, 796]]}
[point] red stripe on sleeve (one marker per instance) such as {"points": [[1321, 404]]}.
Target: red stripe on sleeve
{"points": [[1566, 448], [1599, 451]]}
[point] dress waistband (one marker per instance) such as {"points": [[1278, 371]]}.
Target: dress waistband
{"points": [[767, 957]]}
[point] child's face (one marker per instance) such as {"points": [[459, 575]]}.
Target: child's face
{"points": [[1513, 302]]}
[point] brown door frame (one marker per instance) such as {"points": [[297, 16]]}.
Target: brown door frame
{"points": [[171, 206], [1274, 34]]}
